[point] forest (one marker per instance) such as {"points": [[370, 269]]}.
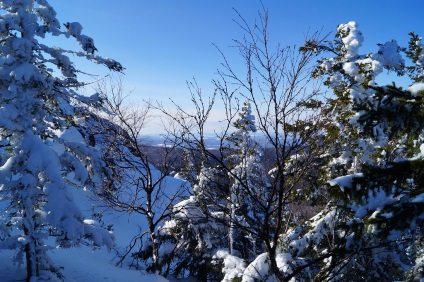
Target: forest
{"points": [[317, 173]]}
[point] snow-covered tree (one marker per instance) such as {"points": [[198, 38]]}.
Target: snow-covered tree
{"points": [[237, 193], [248, 186], [285, 102], [43, 148], [197, 229], [370, 230]]}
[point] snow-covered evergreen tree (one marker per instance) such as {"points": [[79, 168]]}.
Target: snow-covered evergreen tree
{"points": [[377, 204], [43, 148], [198, 228], [248, 190]]}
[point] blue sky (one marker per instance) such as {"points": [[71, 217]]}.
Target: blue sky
{"points": [[164, 43]]}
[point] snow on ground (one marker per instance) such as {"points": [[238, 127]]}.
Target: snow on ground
{"points": [[79, 265], [83, 264]]}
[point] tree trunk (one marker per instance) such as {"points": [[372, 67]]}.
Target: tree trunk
{"points": [[152, 232], [30, 258], [273, 264], [28, 263], [155, 250], [231, 229]]}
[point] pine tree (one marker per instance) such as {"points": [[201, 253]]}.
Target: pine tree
{"points": [[198, 229], [248, 190], [376, 136], [43, 148]]}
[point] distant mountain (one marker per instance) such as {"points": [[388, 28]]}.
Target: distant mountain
{"points": [[212, 141]]}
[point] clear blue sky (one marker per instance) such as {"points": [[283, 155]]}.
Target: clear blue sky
{"points": [[163, 43]]}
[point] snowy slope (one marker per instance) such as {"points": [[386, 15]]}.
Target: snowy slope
{"points": [[79, 264], [83, 264]]}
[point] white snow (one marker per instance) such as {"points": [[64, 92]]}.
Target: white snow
{"points": [[376, 200], [79, 265], [233, 266], [82, 264], [353, 40], [257, 270], [416, 87], [72, 135], [345, 181], [389, 55], [418, 199]]}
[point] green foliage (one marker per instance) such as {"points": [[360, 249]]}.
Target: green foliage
{"points": [[415, 53], [374, 137]]}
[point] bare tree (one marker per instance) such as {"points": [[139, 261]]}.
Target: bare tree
{"points": [[136, 186], [281, 90], [286, 101]]}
